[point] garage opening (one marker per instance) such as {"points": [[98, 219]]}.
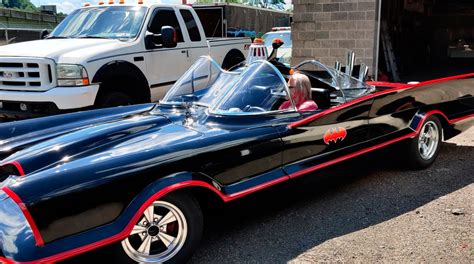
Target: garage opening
{"points": [[429, 38]]}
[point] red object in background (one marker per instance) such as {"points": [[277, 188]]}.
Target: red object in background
{"points": [[277, 41]]}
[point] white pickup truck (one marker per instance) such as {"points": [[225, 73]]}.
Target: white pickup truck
{"points": [[106, 55]]}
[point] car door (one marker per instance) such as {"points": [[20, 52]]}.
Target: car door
{"points": [[197, 41], [166, 65], [325, 138]]}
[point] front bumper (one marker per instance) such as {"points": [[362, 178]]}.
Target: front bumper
{"points": [[53, 101]]}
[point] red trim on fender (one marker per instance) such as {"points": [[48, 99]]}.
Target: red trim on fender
{"points": [[459, 119], [397, 87], [6, 261], [17, 165], [426, 115], [437, 112], [38, 238], [122, 235]]}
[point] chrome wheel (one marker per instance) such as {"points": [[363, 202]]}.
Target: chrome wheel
{"points": [[428, 140], [158, 235]]}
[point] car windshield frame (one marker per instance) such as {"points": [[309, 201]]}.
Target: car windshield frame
{"points": [[214, 88], [214, 110], [83, 29], [340, 81]]}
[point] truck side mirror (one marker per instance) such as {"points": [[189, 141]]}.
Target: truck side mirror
{"points": [[152, 41], [168, 37]]}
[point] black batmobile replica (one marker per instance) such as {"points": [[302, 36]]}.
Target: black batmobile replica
{"points": [[134, 176]]}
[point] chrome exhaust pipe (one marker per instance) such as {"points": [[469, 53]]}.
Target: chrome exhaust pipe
{"points": [[338, 66], [363, 72], [350, 62]]}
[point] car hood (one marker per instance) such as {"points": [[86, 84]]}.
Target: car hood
{"points": [[116, 139], [35, 143], [63, 50]]}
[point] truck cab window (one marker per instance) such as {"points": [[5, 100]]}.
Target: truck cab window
{"points": [[191, 25], [165, 17]]}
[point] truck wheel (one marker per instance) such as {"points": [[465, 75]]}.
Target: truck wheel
{"points": [[424, 148], [111, 99], [232, 58], [231, 62], [168, 231]]}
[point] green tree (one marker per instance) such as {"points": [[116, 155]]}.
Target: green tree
{"points": [[19, 4]]}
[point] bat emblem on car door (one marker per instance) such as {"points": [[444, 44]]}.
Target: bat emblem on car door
{"points": [[335, 134]]}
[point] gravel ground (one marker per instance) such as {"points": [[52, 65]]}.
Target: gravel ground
{"points": [[369, 209]]}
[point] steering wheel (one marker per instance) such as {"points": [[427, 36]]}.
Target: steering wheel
{"points": [[249, 108]]}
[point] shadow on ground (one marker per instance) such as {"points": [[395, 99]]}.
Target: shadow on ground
{"points": [[280, 223]]}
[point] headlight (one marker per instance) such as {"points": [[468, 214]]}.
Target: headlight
{"points": [[72, 75]]}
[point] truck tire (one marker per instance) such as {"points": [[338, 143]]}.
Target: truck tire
{"points": [[121, 83], [111, 99], [232, 58]]}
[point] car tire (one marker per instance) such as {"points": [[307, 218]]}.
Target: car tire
{"points": [[185, 232], [112, 99], [424, 148]]}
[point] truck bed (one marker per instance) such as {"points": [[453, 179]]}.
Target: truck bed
{"points": [[211, 40]]}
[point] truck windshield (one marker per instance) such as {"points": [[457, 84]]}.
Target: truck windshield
{"points": [[112, 22]]}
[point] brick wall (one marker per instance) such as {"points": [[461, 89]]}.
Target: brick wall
{"points": [[326, 29]]}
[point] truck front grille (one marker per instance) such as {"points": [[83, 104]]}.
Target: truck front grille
{"points": [[26, 74]]}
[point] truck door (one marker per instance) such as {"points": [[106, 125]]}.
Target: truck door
{"points": [[165, 65], [197, 41]]}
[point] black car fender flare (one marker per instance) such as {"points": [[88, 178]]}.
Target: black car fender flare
{"points": [[419, 118], [121, 227], [175, 182]]}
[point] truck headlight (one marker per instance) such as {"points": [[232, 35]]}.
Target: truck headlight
{"points": [[72, 75]]}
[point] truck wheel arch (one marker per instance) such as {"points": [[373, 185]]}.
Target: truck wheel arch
{"points": [[122, 76], [232, 58]]}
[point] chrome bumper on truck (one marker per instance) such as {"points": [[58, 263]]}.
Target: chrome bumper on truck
{"points": [[28, 88], [15, 104]]}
